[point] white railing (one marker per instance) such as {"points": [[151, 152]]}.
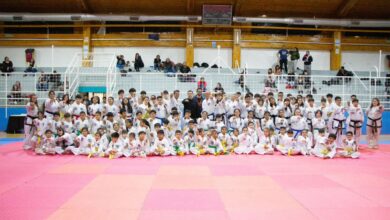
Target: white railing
{"points": [[365, 87], [111, 78]]}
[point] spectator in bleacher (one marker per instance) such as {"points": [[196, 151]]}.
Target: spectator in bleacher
{"points": [[184, 68], [157, 63], [42, 83], [169, 66], [120, 63], [138, 63], [343, 73], [278, 71], [283, 55], [307, 60], [202, 84], [16, 92], [294, 56], [218, 88], [7, 66], [31, 67]]}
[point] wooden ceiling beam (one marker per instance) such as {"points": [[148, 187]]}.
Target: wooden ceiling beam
{"points": [[345, 7], [237, 7], [190, 7], [86, 6]]}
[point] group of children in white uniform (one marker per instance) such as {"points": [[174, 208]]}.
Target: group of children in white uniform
{"points": [[241, 125]]}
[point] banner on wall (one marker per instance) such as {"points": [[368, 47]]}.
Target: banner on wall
{"points": [[29, 54]]}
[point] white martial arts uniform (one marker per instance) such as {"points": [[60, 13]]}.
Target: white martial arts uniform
{"points": [[324, 150], [51, 106], [84, 144], [305, 144], [338, 122], [374, 125], [208, 105], [236, 123], [115, 150], [64, 143], [29, 127], [178, 145], [214, 146], [245, 144], [93, 108], [355, 122], [350, 149], [162, 147], [75, 110], [47, 146], [288, 146], [298, 123]]}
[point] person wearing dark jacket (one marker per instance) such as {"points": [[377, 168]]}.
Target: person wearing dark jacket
{"points": [[294, 55], [7, 66], [138, 63], [196, 105], [307, 60], [157, 63]]}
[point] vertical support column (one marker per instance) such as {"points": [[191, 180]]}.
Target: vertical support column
{"points": [[335, 56], [190, 47], [87, 49], [236, 50], [1, 28]]}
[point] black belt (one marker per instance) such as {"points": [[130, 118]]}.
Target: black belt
{"points": [[354, 125], [310, 123], [340, 127], [374, 125], [32, 117], [52, 113]]}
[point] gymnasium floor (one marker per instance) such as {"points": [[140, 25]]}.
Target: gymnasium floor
{"points": [[223, 187]]}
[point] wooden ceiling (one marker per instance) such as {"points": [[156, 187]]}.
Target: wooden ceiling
{"points": [[359, 9]]}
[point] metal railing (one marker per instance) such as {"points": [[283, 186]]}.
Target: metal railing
{"points": [[365, 87]]}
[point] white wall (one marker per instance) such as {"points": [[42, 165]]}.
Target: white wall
{"points": [[176, 54], [255, 58], [62, 55], [208, 55], [366, 61], [267, 58]]}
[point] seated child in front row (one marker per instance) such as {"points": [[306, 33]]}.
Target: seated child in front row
{"points": [[64, 141], [350, 147], [325, 148], [214, 144], [288, 144], [47, 144], [304, 142], [266, 142], [83, 143], [178, 144], [245, 142], [141, 147], [161, 146], [99, 146], [115, 148]]}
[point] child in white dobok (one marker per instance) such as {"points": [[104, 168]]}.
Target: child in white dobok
{"points": [[325, 148], [266, 142], [355, 120], [350, 147], [374, 122], [245, 141], [288, 145]]}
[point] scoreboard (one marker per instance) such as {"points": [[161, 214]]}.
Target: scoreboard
{"points": [[217, 14]]}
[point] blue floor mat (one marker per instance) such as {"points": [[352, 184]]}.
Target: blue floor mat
{"points": [[4, 141]]}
